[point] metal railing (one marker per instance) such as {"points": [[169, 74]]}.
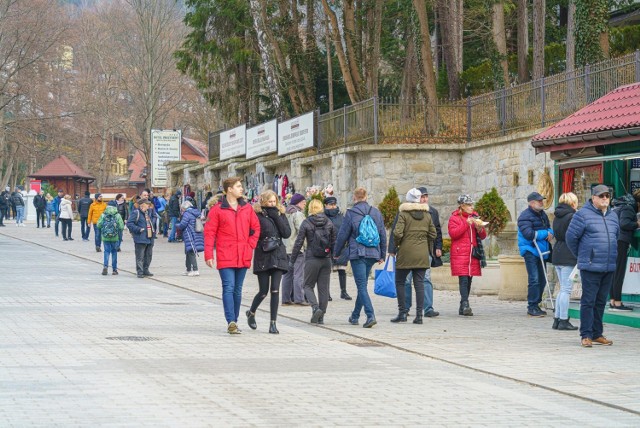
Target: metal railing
{"points": [[519, 108]]}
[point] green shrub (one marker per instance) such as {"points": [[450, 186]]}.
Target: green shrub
{"points": [[389, 207], [492, 208]]}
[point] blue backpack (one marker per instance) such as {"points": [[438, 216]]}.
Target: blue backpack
{"points": [[368, 231]]}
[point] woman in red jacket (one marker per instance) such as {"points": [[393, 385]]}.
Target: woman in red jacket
{"points": [[464, 230], [233, 229]]}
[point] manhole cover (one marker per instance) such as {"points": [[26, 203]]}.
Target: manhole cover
{"points": [[134, 338], [364, 343]]}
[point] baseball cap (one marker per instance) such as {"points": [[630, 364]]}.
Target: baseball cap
{"points": [[600, 189], [330, 200], [423, 190], [535, 196], [413, 195]]}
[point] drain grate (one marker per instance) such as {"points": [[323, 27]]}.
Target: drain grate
{"points": [[364, 343], [134, 338]]}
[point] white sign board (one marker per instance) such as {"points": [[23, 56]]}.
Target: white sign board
{"points": [[631, 283], [232, 142], [295, 134], [165, 147], [262, 139]]}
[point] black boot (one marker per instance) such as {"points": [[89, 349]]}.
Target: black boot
{"points": [[344, 295], [465, 309], [402, 316], [418, 318], [566, 325], [555, 323], [273, 329], [251, 320]]}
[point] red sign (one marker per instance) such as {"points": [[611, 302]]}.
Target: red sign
{"points": [[35, 185]]}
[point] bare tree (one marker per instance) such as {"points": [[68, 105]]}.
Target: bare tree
{"points": [[450, 19], [538, 38], [523, 41], [429, 77], [571, 36], [500, 38]]}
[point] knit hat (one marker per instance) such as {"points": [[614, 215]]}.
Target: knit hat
{"points": [[186, 205], [87, 193], [296, 199], [413, 195], [112, 204], [465, 200], [330, 200], [178, 192], [98, 195]]}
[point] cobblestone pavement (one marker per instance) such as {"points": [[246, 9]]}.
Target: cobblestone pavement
{"points": [[65, 360]]}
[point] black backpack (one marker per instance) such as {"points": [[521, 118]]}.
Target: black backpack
{"points": [[321, 244]]}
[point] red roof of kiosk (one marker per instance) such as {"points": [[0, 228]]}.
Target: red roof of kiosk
{"points": [[62, 167]]}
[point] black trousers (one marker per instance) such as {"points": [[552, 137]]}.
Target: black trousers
{"points": [[144, 253], [621, 270], [317, 270], [191, 261], [464, 283], [268, 281], [67, 225], [418, 284], [2, 211], [40, 217]]}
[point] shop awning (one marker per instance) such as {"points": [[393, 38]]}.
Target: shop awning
{"points": [[611, 119], [594, 159]]}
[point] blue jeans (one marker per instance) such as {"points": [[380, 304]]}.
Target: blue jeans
{"points": [[19, 214], [48, 213], [111, 248], [232, 279], [172, 234], [595, 290], [98, 235], [537, 279], [85, 228], [361, 269], [428, 291], [562, 299]]}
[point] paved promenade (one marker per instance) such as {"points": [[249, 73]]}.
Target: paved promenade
{"points": [[67, 357]]}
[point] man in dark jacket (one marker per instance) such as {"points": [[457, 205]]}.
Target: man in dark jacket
{"points": [[18, 202], [141, 224], [83, 210], [332, 211], [4, 206], [592, 237], [362, 257], [626, 207], [40, 203], [534, 236], [56, 208], [173, 210]]}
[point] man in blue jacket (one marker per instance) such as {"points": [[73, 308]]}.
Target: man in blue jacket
{"points": [[56, 208], [534, 228], [362, 257], [592, 237]]}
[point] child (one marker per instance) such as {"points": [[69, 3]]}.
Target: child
{"points": [[111, 226]]}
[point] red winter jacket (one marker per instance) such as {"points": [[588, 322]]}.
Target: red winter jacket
{"points": [[462, 236], [233, 233]]}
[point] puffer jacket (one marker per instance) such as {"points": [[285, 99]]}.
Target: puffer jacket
{"points": [[234, 233], [307, 233], [193, 241], [39, 202], [95, 211], [534, 226], [562, 255], [272, 225], [464, 236], [414, 235], [66, 210], [337, 218], [592, 237], [110, 210], [350, 229], [137, 225], [83, 206], [295, 217], [173, 207], [17, 200], [626, 208]]}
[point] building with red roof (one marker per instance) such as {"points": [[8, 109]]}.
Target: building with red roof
{"points": [[599, 143], [62, 173]]}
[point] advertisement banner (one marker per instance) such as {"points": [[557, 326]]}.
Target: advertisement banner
{"points": [[165, 147], [232, 142], [631, 283], [262, 139], [295, 134]]}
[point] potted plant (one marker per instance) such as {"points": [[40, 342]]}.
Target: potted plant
{"points": [[389, 207], [492, 209]]}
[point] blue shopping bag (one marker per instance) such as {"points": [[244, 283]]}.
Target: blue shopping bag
{"points": [[385, 280]]}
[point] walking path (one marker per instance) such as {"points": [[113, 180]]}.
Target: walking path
{"points": [[79, 348]]}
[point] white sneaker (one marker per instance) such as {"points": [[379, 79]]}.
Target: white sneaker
{"points": [[188, 273], [194, 273]]}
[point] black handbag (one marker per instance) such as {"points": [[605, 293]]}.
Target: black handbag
{"points": [[269, 244], [475, 253]]}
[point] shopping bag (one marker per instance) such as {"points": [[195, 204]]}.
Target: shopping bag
{"points": [[385, 280]]}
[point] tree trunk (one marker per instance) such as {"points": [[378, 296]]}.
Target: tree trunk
{"points": [[103, 157], [446, 9], [571, 37], [408, 87], [429, 79], [500, 39], [458, 25], [342, 59], [374, 62], [265, 54], [329, 64], [538, 38], [523, 41], [350, 44]]}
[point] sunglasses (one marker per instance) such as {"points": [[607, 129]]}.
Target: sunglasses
{"points": [[604, 196]]}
